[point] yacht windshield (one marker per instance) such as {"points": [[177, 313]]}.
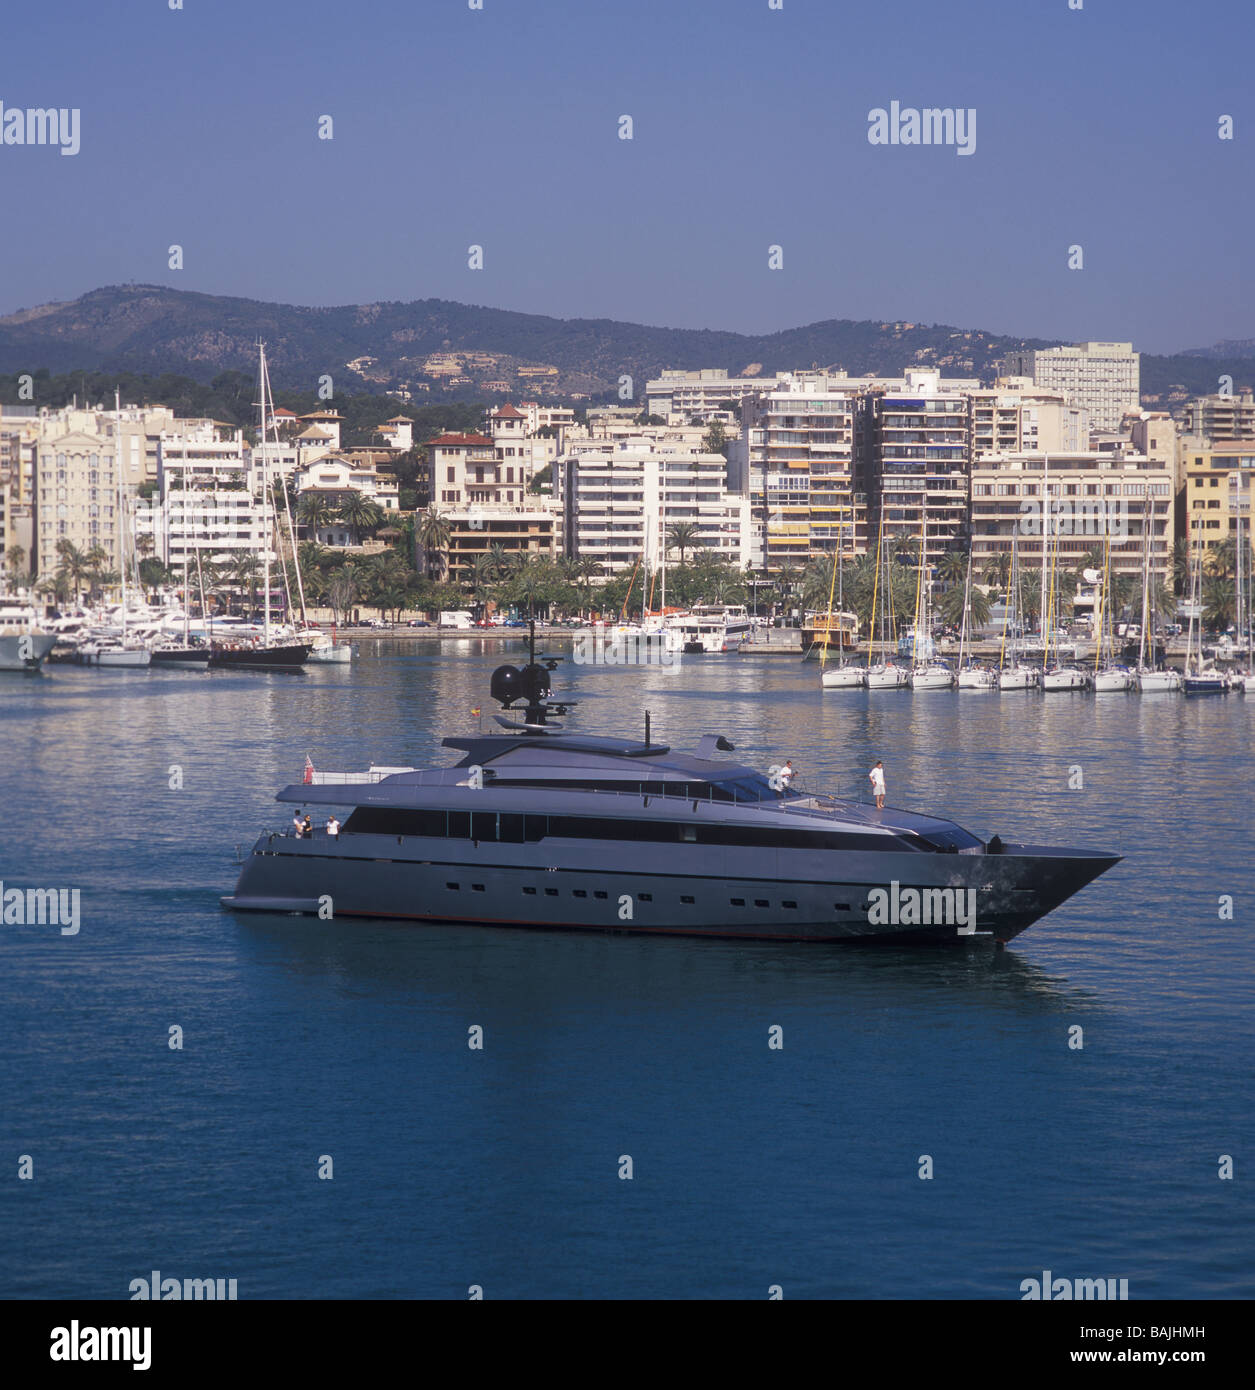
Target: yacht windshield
{"points": [[755, 788]]}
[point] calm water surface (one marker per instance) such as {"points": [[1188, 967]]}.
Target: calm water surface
{"points": [[752, 1167]]}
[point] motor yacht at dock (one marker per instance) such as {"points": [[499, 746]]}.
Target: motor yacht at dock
{"points": [[534, 826]]}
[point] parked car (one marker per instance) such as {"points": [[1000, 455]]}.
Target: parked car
{"points": [[418, 622]]}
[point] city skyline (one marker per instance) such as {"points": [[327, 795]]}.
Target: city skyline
{"points": [[751, 129]]}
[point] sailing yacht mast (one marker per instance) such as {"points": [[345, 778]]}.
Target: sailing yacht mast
{"points": [[1045, 531], [265, 495], [117, 469], [1141, 645]]}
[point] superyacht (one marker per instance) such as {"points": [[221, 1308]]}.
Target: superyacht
{"points": [[537, 827]]}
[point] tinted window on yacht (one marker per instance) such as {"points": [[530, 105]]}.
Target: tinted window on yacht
{"points": [[382, 820], [512, 828]]}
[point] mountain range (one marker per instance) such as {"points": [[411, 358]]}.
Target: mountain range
{"points": [[439, 349]]}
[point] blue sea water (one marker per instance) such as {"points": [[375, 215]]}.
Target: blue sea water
{"points": [[751, 1167]]}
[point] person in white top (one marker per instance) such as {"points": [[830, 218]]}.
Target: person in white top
{"points": [[877, 778], [787, 774], [333, 827]]}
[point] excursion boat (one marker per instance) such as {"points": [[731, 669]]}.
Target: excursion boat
{"points": [[536, 827], [712, 627]]}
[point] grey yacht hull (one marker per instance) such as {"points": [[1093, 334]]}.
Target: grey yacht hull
{"points": [[769, 894]]}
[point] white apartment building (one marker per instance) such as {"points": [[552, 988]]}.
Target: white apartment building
{"points": [[208, 499], [1092, 493], [795, 465], [1104, 379], [684, 395], [620, 498]]}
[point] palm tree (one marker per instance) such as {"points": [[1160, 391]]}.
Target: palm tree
{"points": [[682, 536], [1180, 565], [997, 571], [73, 564], [433, 533], [953, 567], [16, 556], [55, 586], [153, 574], [314, 512], [360, 514], [1220, 559], [950, 606], [1219, 602]]}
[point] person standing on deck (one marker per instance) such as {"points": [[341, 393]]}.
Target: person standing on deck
{"points": [[877, 778]]}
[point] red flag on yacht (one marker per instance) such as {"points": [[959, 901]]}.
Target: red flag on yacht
{"points": [[309, 770]]}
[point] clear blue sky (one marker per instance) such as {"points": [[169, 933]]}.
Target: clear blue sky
{"points": [[499, 127]]}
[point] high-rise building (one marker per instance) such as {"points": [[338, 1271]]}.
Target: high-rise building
{"points": [[1094, 496], [1104, 379], [917, 451], [795, 462]]}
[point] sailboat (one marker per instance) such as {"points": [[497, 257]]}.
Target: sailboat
{"points": [[927, 672], [1148, 680], [266, 655], [883, 674], [840, 676], [1240, 677], [187, 655], [1017, 674], [1110, 676], [973, 676], [1199, 680], [117, 653], [1056, 676]]}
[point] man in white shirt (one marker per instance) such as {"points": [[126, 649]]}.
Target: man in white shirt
{"points": [[298, 825], [877, 778], [333, 826]]}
